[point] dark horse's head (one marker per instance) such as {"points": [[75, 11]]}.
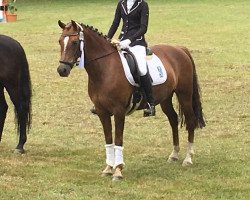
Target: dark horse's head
{"points": [[70, 46]]}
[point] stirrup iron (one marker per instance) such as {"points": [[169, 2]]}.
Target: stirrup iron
{"points": [[150, 111]]}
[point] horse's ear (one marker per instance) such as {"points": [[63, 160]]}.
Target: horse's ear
{"points": [[61, 24], [74, 24]]}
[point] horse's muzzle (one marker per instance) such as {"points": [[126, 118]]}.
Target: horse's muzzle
{"points": [[64, 70]]}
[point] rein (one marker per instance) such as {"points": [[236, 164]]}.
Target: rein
{"points": [[89, 61], [71, 64]]}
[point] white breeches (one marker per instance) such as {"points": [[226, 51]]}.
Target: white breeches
{"points": [[140, 55]]}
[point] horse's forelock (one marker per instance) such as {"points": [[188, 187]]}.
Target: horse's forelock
{"points": [[68, 26]]}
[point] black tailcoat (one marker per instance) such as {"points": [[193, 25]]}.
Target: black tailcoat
{"points": [[135, 23]]}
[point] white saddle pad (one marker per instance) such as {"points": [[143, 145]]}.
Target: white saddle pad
{"points": [[156, 70]]}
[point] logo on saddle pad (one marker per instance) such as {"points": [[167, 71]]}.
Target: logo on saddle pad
{"points": [[155, 67]]}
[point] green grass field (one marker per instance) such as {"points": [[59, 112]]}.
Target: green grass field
{"points": [[65, 147]]}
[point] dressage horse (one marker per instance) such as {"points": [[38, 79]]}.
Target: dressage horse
{"points": [[15, 78], [110, 91]]}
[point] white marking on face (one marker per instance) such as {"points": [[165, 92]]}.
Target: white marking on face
{"points": [[65, 41]]}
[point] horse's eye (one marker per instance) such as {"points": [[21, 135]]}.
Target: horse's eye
{"points": [[74, 42]]}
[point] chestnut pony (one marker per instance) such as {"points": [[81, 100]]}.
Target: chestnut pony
{"points": [[110, 91], [15, 78]]}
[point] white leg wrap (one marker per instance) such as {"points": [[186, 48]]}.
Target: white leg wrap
{"points": [[118, 156], [174, 155], [175, 152], [190, 151], [110, 154]]}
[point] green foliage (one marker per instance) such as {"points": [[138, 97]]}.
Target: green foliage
{"points": [[65, 149], [12, 6]]}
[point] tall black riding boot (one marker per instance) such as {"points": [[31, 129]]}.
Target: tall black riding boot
{"points": [[147, 86]]}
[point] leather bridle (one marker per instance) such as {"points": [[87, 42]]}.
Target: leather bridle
{"points": [[70, 64], [81, 39]]}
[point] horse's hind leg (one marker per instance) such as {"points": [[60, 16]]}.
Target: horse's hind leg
{"points": [[21, 112], [3, 110], [168, 109], [186, 106], [22, 131]]}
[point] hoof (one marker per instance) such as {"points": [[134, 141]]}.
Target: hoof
{"points": [[172, 159], [107, 171], [187, 163], [106, 174], [19, 151], [117, 178]]}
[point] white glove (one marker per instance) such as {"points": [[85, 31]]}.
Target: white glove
{"points": [[124, 44]]}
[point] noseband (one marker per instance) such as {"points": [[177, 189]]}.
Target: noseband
{"points": [[71, 64]]}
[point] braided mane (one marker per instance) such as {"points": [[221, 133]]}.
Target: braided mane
{"points": [[99, 33]]}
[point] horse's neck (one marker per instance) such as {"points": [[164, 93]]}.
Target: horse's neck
{"points": [[96, 45], [97, 49]]}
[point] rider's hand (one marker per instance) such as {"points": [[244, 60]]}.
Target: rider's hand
{"points": [[115, 41], [125, 44]]}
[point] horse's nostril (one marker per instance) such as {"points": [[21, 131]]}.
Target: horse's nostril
{"points": [[63, 70]]}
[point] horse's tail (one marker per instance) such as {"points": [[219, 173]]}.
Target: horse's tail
{"points": [[23, 109], [196, 96]]}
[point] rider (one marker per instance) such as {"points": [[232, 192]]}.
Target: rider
{"points": [[135, 15]]}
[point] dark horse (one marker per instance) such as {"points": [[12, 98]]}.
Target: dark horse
{"points": [[110, 91], [15, 78]]}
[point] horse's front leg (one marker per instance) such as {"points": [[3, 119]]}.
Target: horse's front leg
{"points": [[109, 146], [119, 128]]}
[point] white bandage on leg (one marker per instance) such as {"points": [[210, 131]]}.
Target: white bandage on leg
{"points": [[118, 156], [110, 154], [175, 152], [190, 149]]}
